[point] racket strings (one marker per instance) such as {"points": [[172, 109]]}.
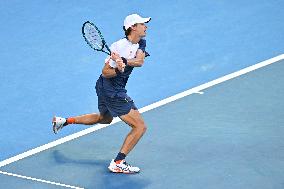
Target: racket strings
{"points": [[93, 37]]}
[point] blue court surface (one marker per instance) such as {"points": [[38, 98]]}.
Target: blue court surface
{"points": [[229, 135], [211, 94]]}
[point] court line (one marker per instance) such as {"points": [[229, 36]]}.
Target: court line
{"points": [[144, 109], [199, 88], [39, 180]]}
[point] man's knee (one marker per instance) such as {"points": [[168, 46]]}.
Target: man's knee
{"points": [[144, 129], [141, 127]]}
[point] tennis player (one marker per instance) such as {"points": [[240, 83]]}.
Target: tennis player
{"points": [[113, 100]]}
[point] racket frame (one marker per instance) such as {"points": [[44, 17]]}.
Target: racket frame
{"points": [[104, 45]]}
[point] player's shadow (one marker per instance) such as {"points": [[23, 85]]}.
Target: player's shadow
{"points": [[107, 179]]}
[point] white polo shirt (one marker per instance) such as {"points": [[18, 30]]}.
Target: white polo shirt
{"points": [[124, 48]]}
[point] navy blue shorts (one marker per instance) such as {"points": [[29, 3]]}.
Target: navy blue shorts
{"points": [[116, 106]]}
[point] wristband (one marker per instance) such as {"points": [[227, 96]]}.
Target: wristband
{"points": [[117, 71], [124, 60]]}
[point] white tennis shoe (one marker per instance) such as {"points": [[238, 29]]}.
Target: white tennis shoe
{"points": [[58, 123], [122, 167]]}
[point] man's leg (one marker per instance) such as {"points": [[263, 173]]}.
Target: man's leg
{"points": [[91, 119], [134, 120], [103, 117], [87, 119]]}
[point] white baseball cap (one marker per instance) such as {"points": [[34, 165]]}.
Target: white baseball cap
{"points": [[132, 19]]}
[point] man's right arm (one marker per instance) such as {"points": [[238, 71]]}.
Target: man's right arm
{"points": [[108, 71]]}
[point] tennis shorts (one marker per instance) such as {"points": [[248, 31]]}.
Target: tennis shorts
{"points": [[116, 106]]}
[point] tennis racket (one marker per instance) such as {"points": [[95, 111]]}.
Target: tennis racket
{"points": [[94, 37]]}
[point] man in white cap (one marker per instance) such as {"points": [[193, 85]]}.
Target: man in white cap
{"points": [[113, 101]]}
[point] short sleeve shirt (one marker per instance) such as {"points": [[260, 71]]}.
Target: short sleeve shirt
{"points": [[124, 48], [115, 86]]}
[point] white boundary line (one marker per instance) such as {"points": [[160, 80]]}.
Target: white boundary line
{"points": [[199, 88], [144, 109], [39, 180]]}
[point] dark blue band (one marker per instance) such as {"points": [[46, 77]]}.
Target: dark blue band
{"points": [[124, 60], [117, 71]]}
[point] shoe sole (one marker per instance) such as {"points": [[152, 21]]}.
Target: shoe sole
{"points": [[118, 171], [54, 125]]}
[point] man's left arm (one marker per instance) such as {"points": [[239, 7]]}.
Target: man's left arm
{"points": [[138, 61], [141, 53]]}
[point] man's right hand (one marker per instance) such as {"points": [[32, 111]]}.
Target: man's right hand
{"points": [[119, 63]]}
